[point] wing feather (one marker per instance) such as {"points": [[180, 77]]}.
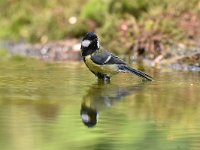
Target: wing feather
{"points": [[106, 58]]}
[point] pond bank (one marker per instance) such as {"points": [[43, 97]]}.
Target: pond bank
{"points": [[176, 57]]}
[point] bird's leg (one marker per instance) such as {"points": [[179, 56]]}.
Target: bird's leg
{"points": [[102, 78], [104, 81]]}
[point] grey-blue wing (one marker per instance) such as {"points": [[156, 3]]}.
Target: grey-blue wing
{"points": [[106, 58]]}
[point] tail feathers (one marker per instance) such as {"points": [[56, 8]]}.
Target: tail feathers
{"points": [[125, 68]]}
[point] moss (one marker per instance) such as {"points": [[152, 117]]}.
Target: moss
{"points": [[135, 8], [76, 30], [95, 10]]}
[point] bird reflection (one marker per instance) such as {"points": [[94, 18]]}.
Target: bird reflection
{"points": [[101, 96]]}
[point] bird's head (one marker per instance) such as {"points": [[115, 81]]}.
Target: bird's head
{"points": [[89, 116], [89, 44]]}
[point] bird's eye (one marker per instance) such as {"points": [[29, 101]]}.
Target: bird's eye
{"points": [[85, 43]]}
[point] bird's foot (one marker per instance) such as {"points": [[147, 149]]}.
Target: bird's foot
{"points": [[105, 80]]}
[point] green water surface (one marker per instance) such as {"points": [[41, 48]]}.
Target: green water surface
{"points": [[42, 106]]}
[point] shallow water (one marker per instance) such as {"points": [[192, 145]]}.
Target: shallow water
{"points": [[41, 103]]}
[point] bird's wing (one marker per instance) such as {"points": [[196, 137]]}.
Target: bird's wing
{"points": [[106, 57]]}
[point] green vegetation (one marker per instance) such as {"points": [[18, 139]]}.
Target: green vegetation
{"points": [[95, 10], [40, 21], [36, 20]]}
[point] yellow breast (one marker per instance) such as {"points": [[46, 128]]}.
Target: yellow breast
{"points": [[109, 69]]}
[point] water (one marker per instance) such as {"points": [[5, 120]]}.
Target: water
{"points": [[45, 106]]}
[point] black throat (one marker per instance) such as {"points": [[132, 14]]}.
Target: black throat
{"points": [[90, 49]]}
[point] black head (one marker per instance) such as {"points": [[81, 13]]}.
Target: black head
{"points": [[89, 116], [89, 44], [90, 36]]}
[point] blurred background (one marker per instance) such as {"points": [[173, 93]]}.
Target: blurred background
{"points": [[145, 25]]}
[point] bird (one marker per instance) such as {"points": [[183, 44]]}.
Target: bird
{"points": [[102, 63]]}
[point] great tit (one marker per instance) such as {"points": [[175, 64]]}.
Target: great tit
{"points": [[103, 63]]}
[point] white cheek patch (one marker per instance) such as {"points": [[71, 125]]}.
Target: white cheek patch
{"points": [[86, 43], [98, 46], [85, 117]]}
